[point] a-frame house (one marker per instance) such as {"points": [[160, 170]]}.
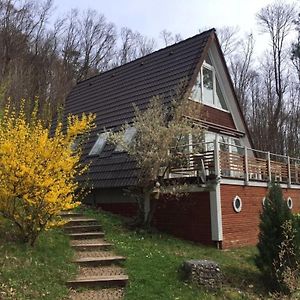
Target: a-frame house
{"points": [[223, 209]]}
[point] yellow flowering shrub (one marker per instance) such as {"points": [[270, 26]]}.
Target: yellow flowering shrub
{"points": [[38, 170]]}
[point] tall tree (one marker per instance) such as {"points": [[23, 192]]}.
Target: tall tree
{"points": [[132, 46], [159, 144], [277, 20], [229, 39], [169, 38]]}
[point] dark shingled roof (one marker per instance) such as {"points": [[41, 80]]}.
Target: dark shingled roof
{"points": [[111, 94]]}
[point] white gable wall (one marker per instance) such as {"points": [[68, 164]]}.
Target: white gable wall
{"points": [[227, 91]]}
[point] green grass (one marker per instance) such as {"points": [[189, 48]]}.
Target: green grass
{"points": [[153, 261], [34, 273]]}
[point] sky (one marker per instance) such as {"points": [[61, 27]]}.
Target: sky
{"points": [[186, 17]]}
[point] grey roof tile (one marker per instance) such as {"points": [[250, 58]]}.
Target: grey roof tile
{"points": [[110, 95]]}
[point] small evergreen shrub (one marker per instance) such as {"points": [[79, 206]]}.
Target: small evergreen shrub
{"points": [[278, 245]]}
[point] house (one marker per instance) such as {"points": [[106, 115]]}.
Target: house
{"points": [[223, 212]]}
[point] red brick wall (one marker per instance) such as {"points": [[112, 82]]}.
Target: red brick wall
{"points": [[240, 229], [124, 209], [187, 218]]}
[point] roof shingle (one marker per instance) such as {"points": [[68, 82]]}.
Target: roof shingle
{"points": [[110, 95]]}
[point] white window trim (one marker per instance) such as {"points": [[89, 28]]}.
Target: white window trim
{"points": [[289, 202], [102, 136], [127, 140], [215, 76], [237, 209]]}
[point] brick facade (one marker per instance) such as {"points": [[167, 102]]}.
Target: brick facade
{"points": [[190, 218], [187, 218], [125, 209], [241, 229]]}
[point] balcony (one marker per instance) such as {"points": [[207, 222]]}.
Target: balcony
{"points": [[223, 161]]}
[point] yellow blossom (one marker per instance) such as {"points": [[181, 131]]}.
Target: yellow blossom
{"points": [[38, 170]]}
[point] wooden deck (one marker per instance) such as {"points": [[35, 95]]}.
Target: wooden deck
{"points": [[243, 163]]}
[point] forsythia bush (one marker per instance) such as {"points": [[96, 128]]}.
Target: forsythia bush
{"points": [[38, 169]]}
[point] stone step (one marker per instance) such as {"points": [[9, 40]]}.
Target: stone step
{"points": [[99, 261], [94, 246], [93, 271], [70, 214], [88, 241], [82, 228], [103, 281], [81, 221], [85, 235], [96, 293], [94, 253]]}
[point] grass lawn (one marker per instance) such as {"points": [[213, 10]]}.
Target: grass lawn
{"points": [[153, 261], [34, 273]]}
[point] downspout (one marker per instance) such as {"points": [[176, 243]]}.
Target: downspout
{"points": [[215, 201]]}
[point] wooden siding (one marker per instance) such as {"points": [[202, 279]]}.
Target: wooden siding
{"points": [[218, 117]]}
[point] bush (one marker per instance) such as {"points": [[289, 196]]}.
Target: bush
{"points": [[278, 243], [38, 170]]}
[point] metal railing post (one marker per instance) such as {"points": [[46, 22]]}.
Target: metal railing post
{"points": [[269, 166], [246, 166], [289, 171], [217, 157]]}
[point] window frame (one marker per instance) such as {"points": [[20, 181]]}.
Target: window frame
{"points": [[234, 204], [215, 77], [131, 131], [102, 136], [289, 203]]}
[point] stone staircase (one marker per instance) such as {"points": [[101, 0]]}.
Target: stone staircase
{"points": [[100, 274]]}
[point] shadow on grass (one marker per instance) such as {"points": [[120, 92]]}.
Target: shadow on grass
{"points": [[9, 233], [244, 279]]}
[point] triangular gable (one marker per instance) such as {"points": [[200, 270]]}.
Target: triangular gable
{"points": [[212, 86]]}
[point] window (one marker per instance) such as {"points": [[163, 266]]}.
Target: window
{"points": [[210, 137], [129, 134], [77, 142], [289, 202], [227, 143], [237, 204], [208, 85], [99, 145], [207, 88], [182, 151]]}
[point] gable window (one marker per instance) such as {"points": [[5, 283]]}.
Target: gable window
{"points": [[207, 88], [129, 134], [99, 144], [208, 85]]}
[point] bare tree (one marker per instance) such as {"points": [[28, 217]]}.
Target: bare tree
{"points": [[133, 45], [228, 38], [169, 38], [97, 41], [242, 72], [277, 20]]}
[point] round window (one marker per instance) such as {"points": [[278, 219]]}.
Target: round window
{"points": [[237, 204], [289, 202]]}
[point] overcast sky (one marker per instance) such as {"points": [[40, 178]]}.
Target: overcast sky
{"points": [[179, 16]]}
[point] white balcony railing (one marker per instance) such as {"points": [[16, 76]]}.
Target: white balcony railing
{"points": [[222, 160]]}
